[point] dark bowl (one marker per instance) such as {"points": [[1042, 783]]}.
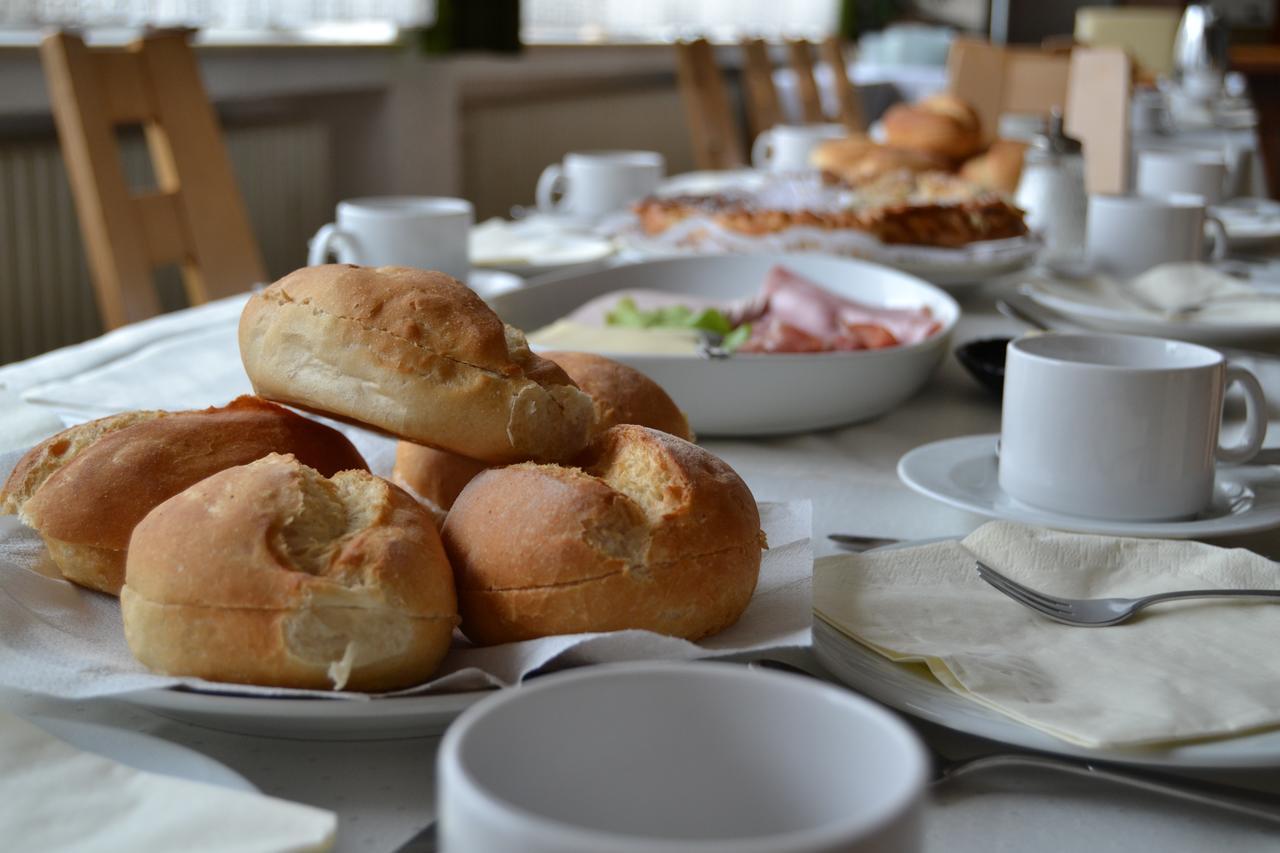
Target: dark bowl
{"points": [[984, 359]]}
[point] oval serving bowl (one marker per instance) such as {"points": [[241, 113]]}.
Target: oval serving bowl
{"points": [[760, 394]]}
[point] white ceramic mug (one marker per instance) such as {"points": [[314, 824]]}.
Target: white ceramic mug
{"points": [[675, 757], [1119, 427], [595, 183], [1166, 173], [786, 147], [408, 231], [1128, 235]]}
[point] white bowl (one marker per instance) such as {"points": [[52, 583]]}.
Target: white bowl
{"points": [[695, 757], [761, 394]]}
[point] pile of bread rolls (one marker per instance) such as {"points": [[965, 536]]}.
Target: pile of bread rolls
{"points": [[939, 133], [250, 544]]}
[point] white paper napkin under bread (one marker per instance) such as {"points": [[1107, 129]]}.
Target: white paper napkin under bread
{"points": [[55, 798], [1181, 671], [60, 640]]}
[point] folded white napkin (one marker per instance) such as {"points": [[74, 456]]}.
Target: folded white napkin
{"points": [[53, 797], [1181, 671], [1167, 290]]}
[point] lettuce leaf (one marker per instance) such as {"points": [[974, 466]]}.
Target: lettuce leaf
{"points": [[627, 313]]}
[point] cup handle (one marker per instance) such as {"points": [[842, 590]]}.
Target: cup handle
{"points": [[1219, 250], [762, 150], [550, 192], [328, 239], [1255, 427]]}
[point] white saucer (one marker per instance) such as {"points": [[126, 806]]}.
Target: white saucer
{"points": [[961, 472], [1250, 223]]}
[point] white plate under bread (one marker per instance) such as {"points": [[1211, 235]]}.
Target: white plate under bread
{"points": [[761, 394]]}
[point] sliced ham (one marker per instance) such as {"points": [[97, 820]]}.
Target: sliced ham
{"points": [[798, 302]]}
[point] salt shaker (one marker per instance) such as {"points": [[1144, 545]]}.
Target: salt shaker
{"points": [[1052, 191]]}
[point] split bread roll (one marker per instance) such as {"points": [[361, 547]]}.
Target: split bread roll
{"points": [[84, 489], [942, 125], [270, 574], [999, 168], [415, 354], [619, 394], [651, 532]]}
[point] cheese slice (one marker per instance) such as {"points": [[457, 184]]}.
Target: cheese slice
{"points": [[53, 798]]}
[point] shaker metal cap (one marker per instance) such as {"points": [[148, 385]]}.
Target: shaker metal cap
{"points": [[1054, 141]]}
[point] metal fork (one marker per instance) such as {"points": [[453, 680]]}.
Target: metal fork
{"points": [[1100, 612]]}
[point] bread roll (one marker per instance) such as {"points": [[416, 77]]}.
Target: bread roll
{"points": [[270, 574], [415, 354], [942, 125], [620, 395], [999, 169], [651, 532], [84, 489]]}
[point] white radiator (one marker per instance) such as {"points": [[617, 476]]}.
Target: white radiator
{"points": [[46, 299]]}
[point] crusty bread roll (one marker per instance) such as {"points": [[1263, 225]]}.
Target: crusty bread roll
{"points": [[270, 574], [942, 125], [651, 532], [620, 394], [415, 354], [84, 489], [999, 168]]}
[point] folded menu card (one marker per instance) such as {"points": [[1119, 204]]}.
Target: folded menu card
{"points": [[60, 640], [53, 797], [1179, 671]]}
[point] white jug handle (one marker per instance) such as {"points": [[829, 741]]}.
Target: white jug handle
{"points": [[331, 238], [550, 192], [1255, 426], [762, 150], [1219, 228]]}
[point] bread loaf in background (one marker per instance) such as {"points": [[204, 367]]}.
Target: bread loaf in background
{"points": [[620, 395], [271, 574], [941, 125], [649, 532], [84, 489], [412, 353]]}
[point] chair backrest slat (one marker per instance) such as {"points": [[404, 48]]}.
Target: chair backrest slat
{"points": [[851, 115], [763, 109], [197, 218], [801, 61], [717, 143]]}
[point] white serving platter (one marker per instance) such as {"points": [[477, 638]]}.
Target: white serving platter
{"points": [[758, 394]]}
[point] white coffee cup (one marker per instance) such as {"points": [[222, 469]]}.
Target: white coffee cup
{"points": [[786, 147], [1119, 427], [1128, 235], [591, 184], [1166, 173], [679, 757], [409, 231]]}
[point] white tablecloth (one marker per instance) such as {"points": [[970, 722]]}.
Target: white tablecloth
{"points": [[384, 792]]}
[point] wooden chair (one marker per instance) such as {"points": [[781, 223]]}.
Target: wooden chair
{"points": [[763, 109], [997, 79], [801, 61], [832, 53], [717, 141], [196, 217]]}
